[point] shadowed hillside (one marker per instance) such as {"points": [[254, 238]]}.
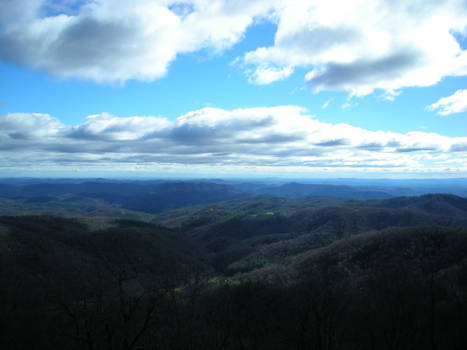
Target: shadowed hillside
{"points": [[144, 197], [234, 230], [248, 273]]}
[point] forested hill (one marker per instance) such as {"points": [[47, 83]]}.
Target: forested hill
{"points": [[137, 196], [242, 274], [201, 265], [296, 190], [50, 244], [155, 196], [268, 229], [438, 204]]}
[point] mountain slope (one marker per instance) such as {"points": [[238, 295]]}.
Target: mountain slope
{"points": [[54, 241], [437, 204], [145, 197], [267, 228], [296, 190]]}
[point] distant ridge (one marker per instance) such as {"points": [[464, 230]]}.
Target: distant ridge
{"points": [[295, 190], [155, 196], [147, 197], [436, 203]]}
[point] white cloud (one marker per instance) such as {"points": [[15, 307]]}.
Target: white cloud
{"points": [[326, 104], [357, 46], [119, 129], [285, 137], [117, 40], [267, 75], [456, 103], [346, 105], [360, 46], [24, 127]]}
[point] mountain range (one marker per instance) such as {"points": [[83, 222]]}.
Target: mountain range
{"points": [[204, 265]]}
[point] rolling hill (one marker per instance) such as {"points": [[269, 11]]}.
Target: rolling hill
{"points": [[253, 271]]}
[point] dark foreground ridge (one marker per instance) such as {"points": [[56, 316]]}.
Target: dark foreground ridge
{"points": [[253, 272]]}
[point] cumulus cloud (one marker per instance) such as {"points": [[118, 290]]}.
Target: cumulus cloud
{"points": [[23, 128], [360, 46], [285, 137], [456, 103], [357, 46], [117, 40]]}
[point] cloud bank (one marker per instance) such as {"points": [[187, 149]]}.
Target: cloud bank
{"points": [[356, 46], [285, 137]]}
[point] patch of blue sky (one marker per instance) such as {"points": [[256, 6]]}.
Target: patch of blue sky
{"points": [[52, 8], [461, 38], [405, 114], [181, 8], [193, 81]]}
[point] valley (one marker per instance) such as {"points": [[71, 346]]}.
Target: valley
{"points": [[206, 265]]}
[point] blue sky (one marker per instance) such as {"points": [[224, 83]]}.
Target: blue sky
{"points": [[219, 87]]}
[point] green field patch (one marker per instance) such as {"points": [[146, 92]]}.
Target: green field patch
{"points": [[247, 264]]}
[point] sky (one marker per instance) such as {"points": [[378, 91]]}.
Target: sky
{"points": [[161, 88]]}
